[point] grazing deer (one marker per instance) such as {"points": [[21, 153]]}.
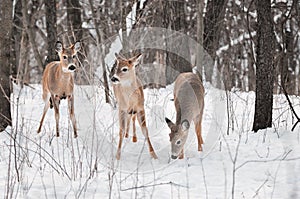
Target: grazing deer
{"points": [[189, 104], [58, 83], [129, 93]]}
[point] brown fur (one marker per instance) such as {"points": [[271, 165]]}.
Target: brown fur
{"points": [[189, 104], [129, 93], [58, 83]]}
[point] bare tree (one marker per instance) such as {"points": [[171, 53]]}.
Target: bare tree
{"points": [[101, 49], [5, 55], [50, 6], [16, 37], [215, 12], [74, 20], [264, 67], [176, 20]]}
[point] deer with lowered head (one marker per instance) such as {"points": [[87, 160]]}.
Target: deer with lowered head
{"points": [[189, 104], [58, 83], [129, 94]]}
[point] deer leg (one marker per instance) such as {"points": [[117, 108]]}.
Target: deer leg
{"points": [[127, 126], [198, 130], [181, 155], [72, 114], [134, 138], [122, 120], [142, 121], [46, 107], [55, 101]]}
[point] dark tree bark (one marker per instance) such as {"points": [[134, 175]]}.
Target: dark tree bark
{"points": [[288, 62], [175, 19], [84, 74], [5, 56], [200, 53], [50, 6], [74, 19], [264, 67], [215, 12], [16, 37], [30, 32]]}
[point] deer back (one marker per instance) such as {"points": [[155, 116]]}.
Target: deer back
{"points": [[188, 97], [189, 103]]}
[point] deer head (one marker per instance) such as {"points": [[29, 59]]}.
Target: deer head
{"points": [[123, 71], [68, 56], [178, 136]]}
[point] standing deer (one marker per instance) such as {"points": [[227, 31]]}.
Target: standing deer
{"points": [[189, 104], [58, 83], [129, 93]]}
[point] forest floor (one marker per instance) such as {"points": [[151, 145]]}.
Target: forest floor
{"points": [[235, 162]]}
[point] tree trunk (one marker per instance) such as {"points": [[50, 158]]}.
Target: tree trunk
{"points": [[16, 37], [101, 48], [74, 19], [84, 75], [289, 62], [175, 19], [50, 6], [214, 14], [31, 36], [5, 56], [200, 50], [265, 67]]}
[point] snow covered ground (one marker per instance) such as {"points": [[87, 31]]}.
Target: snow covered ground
{"points": [[242, 164]]}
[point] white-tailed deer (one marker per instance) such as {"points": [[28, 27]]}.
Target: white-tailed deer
{"points": [[129, 93], [189, 104], [58, 83]]}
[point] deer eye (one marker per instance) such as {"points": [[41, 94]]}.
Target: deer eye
{"points": [[74, 56], [65, 57], [125, 69], [178, 142]]}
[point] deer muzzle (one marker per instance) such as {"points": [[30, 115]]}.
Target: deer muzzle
{"points": [[114, 80], [72, 67]]}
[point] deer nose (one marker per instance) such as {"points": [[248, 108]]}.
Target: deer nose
{"points": [[114, 79], [173, 156], [72, 67]]}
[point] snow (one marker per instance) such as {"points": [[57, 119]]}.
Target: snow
{"points": [[250, 165]]}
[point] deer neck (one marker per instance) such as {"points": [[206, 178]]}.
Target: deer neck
{"points": [[62, 75], [132, 83]]}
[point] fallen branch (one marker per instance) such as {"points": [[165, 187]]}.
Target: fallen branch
{"points": [[154, 185]]}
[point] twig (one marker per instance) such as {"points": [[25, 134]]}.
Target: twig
{"points": [[154, 185], [291, 106], [16, 80], [271, 160]]}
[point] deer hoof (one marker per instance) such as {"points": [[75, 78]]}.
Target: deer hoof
{"points": [[134, 139], [118, 156], [153, 155]]}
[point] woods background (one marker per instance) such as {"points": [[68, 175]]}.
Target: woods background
{"points": [[227, 30]]}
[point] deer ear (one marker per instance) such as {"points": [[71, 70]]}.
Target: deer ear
{"points": [[77, 46], [169, 122], [59, 47], [185, 125], [136, 59]]}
